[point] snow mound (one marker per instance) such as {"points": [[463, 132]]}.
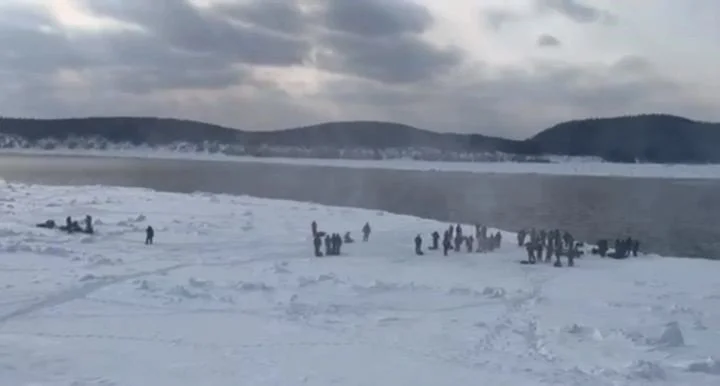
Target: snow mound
{"points": [[708, 366], [646, 371], [672, 336]]}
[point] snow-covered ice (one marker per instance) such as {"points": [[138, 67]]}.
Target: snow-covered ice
{"points": [[562, 166], [231, 295]]}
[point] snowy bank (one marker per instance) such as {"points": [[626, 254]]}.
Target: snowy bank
{"points": [[561, 166], [230, 294]]}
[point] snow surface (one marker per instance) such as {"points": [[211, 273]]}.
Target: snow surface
{"points": [[230, 295], [565, 166]]}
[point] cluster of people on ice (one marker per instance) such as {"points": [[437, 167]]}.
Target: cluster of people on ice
{"points": [[454, 239], [542, 245], [333, 241], [71, 226], [622, 250]]}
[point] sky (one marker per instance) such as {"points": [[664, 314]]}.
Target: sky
{"points": [[506, 68]]}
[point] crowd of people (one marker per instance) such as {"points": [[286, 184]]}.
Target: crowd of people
{"points": [[540, 245]]}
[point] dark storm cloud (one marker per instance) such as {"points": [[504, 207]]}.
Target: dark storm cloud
{"points": [[284, 16], [546, 40], [381, 40], [402, 59], [576, 10], [186, 27], [376, 18]]}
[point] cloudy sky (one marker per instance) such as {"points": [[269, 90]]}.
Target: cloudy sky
{"points": [[496, 67]]}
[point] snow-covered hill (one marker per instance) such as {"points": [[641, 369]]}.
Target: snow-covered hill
{"points": [[230, 294], [10, 142]]}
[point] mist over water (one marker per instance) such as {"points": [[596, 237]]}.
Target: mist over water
{"points": [[670, 217]]}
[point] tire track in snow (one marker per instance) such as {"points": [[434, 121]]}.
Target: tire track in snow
{"points": [[75, 293]]}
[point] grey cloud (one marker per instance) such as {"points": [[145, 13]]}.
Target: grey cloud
{"points": [[546, 40], [376, 18], [284, 16], [497, 18], [381, 40], [515, 103], [577, 11], [187, 27], [398, 60]]}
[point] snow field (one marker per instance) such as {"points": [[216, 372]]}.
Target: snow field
{"points": [[231, 294]]}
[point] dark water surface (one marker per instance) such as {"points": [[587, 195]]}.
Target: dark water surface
{"points": [[671, 217]]}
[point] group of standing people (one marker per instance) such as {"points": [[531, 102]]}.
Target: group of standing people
{"points": [[454, 239], [333, 241], [543, 245]]}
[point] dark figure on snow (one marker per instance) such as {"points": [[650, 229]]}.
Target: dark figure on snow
{"points": [[418, 245], [328, 245], [458, 241], [498, 240], [435, 241], [149, 235], [458, 230], [88, 225], [635, 247], [539, 249], [451, 232], [549, 250], [572, 254], [521, 237], [530, 252], [49, 224], [337, 244], [68, 224], [469, 243], [602, 247], [313, 228], [317, 243], [347, 239], [366, 232], [447, 244]]}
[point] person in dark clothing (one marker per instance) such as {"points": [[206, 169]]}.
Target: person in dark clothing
{"points": [[435, 241], [347, 239], [571, 255], [338, 244], [458, 241], [328, 245], [313, 228], [149, 235], [635, 247], [458, 230], [418, 245], [366, 232], [521, 237], [469, 243], [530, 252], [88, 225], [447, 244], [451, 232], [498, 240], [68, 224], [602, 247], [317, 243]]}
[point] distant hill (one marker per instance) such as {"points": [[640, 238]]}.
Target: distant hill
{"points": [[649, 138]]}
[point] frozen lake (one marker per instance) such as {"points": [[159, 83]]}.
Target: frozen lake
{"points": [[671, 216]]}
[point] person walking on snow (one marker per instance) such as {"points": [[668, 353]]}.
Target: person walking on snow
{"points": [[366, 232], [149, 235]]}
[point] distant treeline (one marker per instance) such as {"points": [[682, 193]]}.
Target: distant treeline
{"points": [[644, 138]]}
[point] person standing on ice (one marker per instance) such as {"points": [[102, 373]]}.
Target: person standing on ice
{"points": [[418, 245], [149, 235], [521, 237], [435, 241], [313, 227], [469, 243], [328, 245], [317, 243], [635, 247], [447, 244], [366, 232], [530, 248]]}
